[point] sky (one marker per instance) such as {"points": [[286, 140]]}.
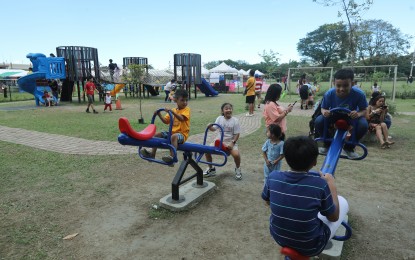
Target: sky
{"points": [[158, 29]]}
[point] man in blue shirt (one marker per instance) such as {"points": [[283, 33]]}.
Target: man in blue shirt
{"points": [[345, 96]]}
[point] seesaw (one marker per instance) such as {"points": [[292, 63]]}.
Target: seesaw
{"points": [[145, 138], [330, 163]]}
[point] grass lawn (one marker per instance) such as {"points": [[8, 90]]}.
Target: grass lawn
{"points": [[42, 193]]}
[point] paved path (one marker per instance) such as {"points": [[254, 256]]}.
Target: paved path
{"points": [[74, 145]]}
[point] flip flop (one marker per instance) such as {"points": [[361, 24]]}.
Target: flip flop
{"points": [[384, 145], [390, 142]]}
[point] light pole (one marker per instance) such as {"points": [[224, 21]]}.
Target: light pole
{"points": [[412, 63]]}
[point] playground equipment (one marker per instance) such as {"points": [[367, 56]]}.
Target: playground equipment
{"points": [[145, 138], [81, 63], [190, 66], [44, 68], [329, 166], [207, 89]]}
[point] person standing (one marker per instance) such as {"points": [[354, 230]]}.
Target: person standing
{"points": [[112, 67], [168, 88], [108, 101], [258, 89], [250, 93], [90, 89], [275, 113]]}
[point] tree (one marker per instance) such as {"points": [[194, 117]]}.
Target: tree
{"points": [[270, 62], [351, 9], [135, 75], [378, 39], [327, 43]]}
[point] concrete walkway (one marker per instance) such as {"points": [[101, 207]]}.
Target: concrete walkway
{"points": [[74, 145]]}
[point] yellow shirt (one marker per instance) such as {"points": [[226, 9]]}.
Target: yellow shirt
{"points": [[182, 127], [250, 85]]}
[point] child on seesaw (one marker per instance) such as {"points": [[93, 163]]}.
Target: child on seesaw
{"points": [[231, 130], [306, 211], [181, 125]]}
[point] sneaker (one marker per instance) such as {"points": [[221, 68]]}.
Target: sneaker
{"points": [[95, 112], [87, 111], [210, 172], [351, 154], [146, 153], [322, 150], [238, 173]]}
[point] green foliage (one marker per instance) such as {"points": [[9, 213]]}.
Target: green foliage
{"points": [[378, 76], [326, 44], [270, 62]]}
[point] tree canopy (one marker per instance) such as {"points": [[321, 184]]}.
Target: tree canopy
{"points": [[328, 43]]}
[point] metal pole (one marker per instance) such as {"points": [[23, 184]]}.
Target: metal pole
{"points": [[412, 63], [394, 83], [331, 78], [288, 80]]}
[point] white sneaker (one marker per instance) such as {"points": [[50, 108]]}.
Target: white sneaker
{"points": [[351, 154], [322, 150], [238, 173], [209, 172]]}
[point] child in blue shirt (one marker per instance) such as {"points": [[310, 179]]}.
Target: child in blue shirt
{"points": [[272, 150], [305, 208]]}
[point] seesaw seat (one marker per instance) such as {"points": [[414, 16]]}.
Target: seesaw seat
{"points": [[146, 134]]}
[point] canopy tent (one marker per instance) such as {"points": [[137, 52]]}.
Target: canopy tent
{"points": [[205, 71], [257, 72], [224, 68], [5, 73], [241, 72]]}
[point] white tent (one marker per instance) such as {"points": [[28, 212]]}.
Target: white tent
{"points": [[241, 72], [205, 71], [259, 73], [223, 68]]}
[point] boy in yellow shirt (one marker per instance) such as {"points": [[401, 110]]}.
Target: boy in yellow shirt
{"points": [[181, 125]]}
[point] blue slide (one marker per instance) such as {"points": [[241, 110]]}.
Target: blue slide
{"points": [[28, 84], [43, 68], [207, 89]]}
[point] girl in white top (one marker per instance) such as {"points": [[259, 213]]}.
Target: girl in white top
{"points": [[231, 131]]}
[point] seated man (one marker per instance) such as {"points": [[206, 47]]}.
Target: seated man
{"points": [[343, 95]]}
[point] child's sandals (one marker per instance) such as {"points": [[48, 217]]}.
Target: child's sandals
{"points": [[390, 142]]}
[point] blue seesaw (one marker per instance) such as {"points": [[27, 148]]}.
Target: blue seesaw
{"points": [[330, 164], [145, 138]]}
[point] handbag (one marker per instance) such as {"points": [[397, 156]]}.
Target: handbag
{"points": [[246, 90]]}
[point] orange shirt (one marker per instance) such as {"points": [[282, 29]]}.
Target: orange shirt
{"points": [[250, 85], [182, 127]]}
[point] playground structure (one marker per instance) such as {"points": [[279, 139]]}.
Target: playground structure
{"points": [[44, 69], [329, 166], [188, 72], [81, 63], [193, 154]]}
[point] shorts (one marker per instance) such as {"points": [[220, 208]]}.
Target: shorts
{"points": [[250, 99], [304, 93], [90, 100], [180, 137], [234, 148]]}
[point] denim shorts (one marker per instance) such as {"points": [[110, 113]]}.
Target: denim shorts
{"points": [[180, 137]]}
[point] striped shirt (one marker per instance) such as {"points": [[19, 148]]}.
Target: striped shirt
{"points": [[295, 200], [258, 85]]}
